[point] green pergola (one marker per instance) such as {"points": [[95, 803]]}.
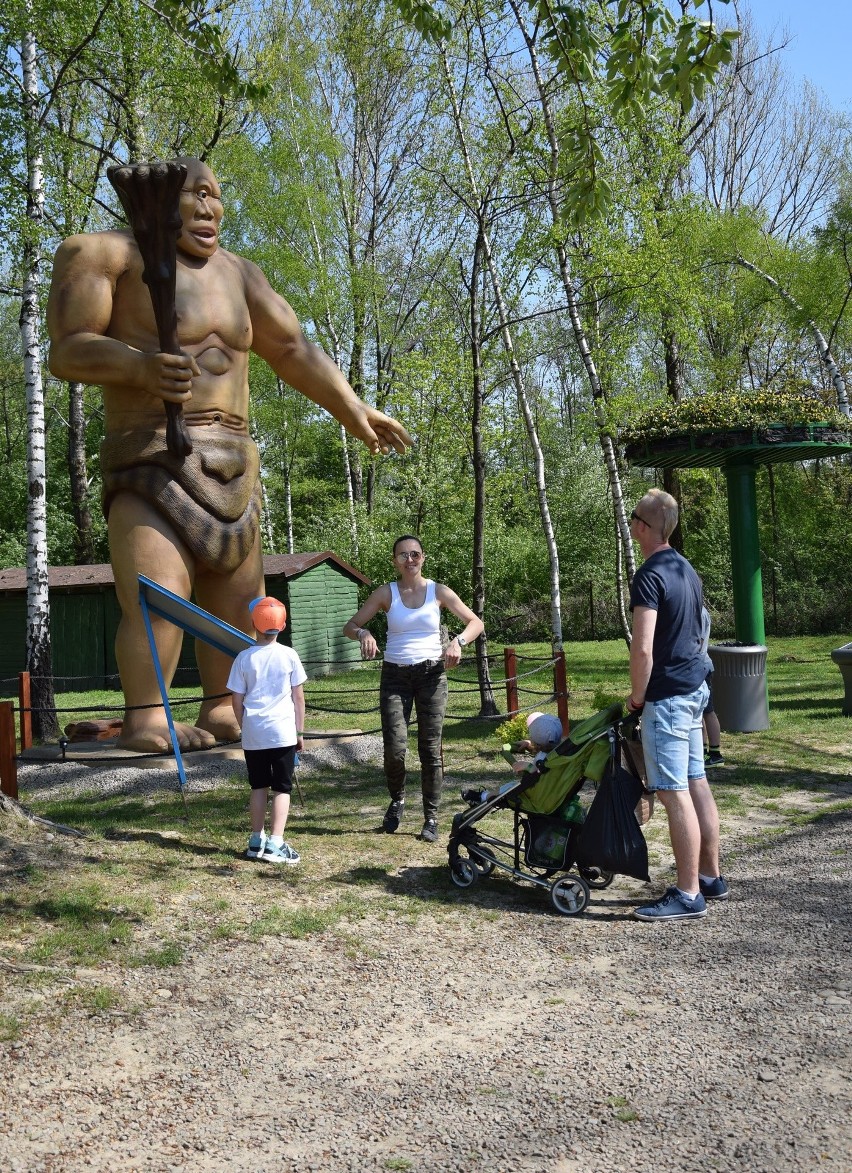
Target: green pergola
{"points": [[740, 453]]}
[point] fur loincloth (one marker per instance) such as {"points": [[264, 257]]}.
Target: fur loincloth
{"points": [[211, 498]]}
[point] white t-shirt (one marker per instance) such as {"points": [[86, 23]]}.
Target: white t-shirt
{"points": [[265, 676], [414, 633]]}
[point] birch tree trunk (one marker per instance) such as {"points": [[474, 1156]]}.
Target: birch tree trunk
{"points": [[268, 528], [288, 506], [266, 515], [488, 707], [84, 542], [517, 375], [607, 443], [350, 490], [38, 653]]}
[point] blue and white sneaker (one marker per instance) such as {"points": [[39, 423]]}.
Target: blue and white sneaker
{"points": [[283, 854], [673, 906], [256, 845]]}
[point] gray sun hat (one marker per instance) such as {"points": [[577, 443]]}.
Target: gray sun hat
{"points": [[545, 730]]}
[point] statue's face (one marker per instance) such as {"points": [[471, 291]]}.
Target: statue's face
{"points": [[200, 210]]}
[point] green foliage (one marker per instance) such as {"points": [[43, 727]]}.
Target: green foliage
{"points": [[515, 729], [733, 411], [191, 23], [636, 55], [423, 15], [604, 696]]}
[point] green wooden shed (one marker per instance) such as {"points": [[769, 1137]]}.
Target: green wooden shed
{"points": [[320, 591]]}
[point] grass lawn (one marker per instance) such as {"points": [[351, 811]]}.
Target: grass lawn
{"points": [[144, 886]]}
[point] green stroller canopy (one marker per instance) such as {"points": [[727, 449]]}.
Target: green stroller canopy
{"points": [[583, 754]]}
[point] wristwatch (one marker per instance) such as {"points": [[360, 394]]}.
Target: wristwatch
{"points": [[461, 641]]}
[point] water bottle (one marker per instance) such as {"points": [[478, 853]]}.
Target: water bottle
{"points": [[574, 812]]}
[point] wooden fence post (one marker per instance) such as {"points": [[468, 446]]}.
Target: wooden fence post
{"points": [[26, 710], [511, 668], [8, 765], [560, 689]]}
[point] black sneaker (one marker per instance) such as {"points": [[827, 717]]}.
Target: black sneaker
{"points": [[429, 834], [393, 816], [473, 797], [713, 759]]}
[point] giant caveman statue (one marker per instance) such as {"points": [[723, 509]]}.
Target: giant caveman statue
{"points": [[188, 522]]}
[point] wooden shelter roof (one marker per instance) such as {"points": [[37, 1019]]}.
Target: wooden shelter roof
{"points": [[81, 578]]}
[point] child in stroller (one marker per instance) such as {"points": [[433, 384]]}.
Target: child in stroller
{"points": [[545, 733], [547, 813]]}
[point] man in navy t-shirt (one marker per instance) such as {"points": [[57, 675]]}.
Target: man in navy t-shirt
{"points": [[668, 667]]}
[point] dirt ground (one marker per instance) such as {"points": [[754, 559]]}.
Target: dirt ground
{"points": [[439, 1030]]}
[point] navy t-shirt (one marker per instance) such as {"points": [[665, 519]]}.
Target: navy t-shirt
{"points": [[667, 584]]}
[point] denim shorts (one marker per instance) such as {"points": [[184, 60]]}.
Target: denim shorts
{"points": [[672, 740]]}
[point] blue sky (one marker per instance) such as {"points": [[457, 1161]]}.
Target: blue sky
{"points": [[820, 40]]}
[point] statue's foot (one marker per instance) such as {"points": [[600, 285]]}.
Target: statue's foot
{"points": [[154, 737], [219, 721]]}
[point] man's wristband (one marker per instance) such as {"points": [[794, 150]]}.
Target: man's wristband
{"points": [[361, 632], [300, 733], [632, 706]]}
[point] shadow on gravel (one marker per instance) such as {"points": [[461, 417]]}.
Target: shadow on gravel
{"points": [[812, 826], [493, 892]]}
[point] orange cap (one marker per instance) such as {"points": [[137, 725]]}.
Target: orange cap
{"points": [[268, 614]]}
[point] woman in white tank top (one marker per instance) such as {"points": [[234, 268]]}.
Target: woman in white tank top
{"points": [[413, 674]]}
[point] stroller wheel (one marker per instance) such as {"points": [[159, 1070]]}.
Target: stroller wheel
{"points": [[483, 860], [596, 878], [570, 895], [463, 872]]}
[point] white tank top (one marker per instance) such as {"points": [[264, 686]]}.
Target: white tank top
{"points": [[414, 633]]}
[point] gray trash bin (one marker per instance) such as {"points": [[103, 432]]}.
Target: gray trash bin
{"points": [[843, 659], [739, 687]]}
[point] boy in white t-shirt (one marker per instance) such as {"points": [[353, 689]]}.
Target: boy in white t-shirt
{"points": [[269, 704]]}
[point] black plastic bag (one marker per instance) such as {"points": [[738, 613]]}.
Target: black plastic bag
{"points": [[611, 838]]}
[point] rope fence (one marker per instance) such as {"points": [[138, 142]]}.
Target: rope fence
{"points": [[511, 681]]}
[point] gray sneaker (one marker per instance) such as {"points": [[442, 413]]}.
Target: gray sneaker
{"points": [[393, 816], [673, 906], [283, 854]]}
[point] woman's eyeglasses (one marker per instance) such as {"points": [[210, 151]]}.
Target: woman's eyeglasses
{"points": [[410, 555]]}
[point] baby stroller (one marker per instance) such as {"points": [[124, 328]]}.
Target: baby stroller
{"points": [[548, 815]]}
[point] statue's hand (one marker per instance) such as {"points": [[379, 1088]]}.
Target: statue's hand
{"points": [[381, 433], [169, 376]]}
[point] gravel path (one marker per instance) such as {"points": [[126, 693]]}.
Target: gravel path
{"points": [[495, 1035]]}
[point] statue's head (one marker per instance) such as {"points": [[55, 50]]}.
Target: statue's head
{"points": [[200, 210]]}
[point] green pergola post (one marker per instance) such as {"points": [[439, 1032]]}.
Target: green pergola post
{"points": [[745, 553]]}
